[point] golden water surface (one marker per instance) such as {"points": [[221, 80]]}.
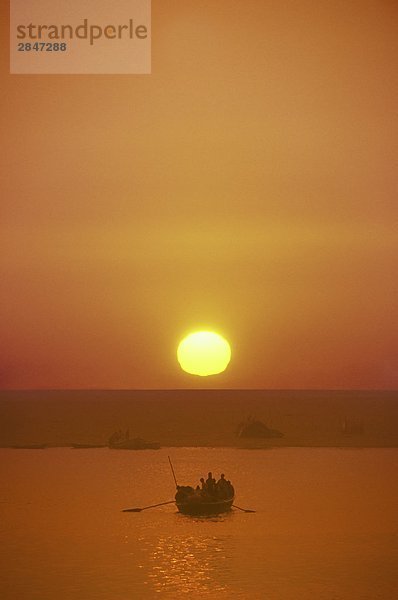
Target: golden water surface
{"points": [[325, 525]]}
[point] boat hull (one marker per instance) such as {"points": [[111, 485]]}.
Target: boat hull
{"points": [[204, 509], [87, 446], [30, 447]]}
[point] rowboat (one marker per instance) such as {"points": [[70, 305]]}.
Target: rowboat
{"points": [[199, 502], [197, 507]]}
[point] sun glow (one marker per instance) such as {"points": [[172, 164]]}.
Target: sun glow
{"points": [[204, 353]]}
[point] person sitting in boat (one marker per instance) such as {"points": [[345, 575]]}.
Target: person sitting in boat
{"points": [[222, 487], [204, 493], [230, 489], [210, 484]]}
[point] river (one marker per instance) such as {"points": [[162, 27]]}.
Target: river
{"points": [[325, 526]]}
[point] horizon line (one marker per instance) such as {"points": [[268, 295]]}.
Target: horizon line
{"points": [[198, 390]]}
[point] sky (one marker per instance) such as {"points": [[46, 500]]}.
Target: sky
{"points": [[247, 186]]}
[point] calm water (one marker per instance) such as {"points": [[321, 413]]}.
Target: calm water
{"points": [[325, 528]]}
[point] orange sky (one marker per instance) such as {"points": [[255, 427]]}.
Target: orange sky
{"points": [[248, 185]]}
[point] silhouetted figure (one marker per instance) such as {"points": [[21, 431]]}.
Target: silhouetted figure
{"points": [[230, 490], [222, 487], [203, 484], [210, 484]]}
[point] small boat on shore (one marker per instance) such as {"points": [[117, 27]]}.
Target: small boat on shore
{"points": [[30, 447], [123, 441], [253, 428], [87, 446]]}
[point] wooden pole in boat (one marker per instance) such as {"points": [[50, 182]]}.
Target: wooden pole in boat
{"points": [[172, 470]]}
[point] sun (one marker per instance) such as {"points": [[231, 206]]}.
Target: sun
{"points": [[204, 353]]}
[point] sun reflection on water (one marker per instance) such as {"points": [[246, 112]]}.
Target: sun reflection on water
{"points": [[198, 565]]}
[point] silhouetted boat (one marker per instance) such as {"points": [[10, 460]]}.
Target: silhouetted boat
{"points": [[252, 428], [197, 507], [204, 502], [30, 447], [84, 446]]}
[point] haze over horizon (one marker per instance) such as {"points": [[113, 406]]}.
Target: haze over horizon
{"points": [[248, 186], [198, 417]]}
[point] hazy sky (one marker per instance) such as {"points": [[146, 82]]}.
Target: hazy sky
{"points": [[249, 185]]}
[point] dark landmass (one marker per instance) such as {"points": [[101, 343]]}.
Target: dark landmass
{"points": [[200, 417]]}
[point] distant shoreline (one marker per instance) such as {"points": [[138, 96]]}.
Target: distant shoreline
{"points": [[201, 418], [194, 390], [259, 447]]}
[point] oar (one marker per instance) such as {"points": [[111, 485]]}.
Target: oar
{"points": [[243, 509], [146, 507], [172, 470]]}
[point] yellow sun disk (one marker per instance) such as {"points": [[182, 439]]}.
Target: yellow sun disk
{"points": [[204, 353]]}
